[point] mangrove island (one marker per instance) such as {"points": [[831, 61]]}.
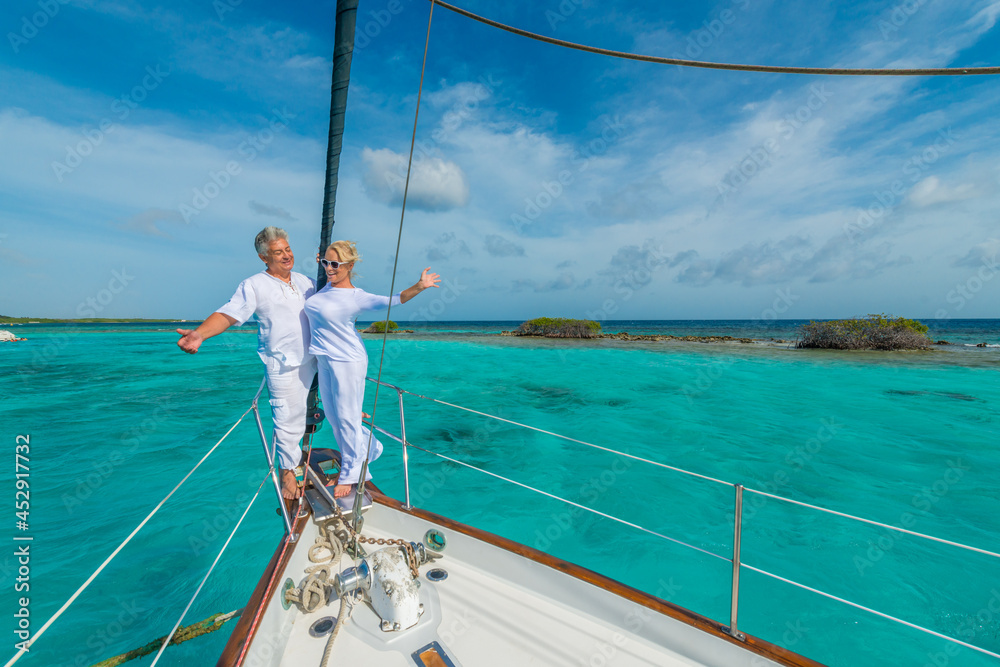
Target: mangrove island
{"points": [[874, 332]]}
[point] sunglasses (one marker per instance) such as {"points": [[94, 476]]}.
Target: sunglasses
{"points": [[332, 264]]}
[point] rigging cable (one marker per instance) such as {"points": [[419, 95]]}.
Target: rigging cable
{"points": [[617, 54], [72, 598], [359, 496], [173, 631], [774, 69], [818, 508], [871, 611]]}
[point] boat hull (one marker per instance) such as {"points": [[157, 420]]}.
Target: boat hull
{"points": [[502, 603]]}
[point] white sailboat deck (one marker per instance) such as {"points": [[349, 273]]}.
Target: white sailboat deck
{"points": [[495, 607]]}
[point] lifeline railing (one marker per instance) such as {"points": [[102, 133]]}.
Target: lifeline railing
{"points": [[739, 491], [25, 646], [269, 453]]}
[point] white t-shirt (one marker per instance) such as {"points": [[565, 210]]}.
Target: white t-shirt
{"points": [[332, 312], [283, 329]]}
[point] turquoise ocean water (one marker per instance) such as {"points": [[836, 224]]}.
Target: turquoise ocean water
{"points": [[116, 415]]}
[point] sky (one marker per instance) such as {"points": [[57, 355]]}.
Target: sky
{"points": [[145, 144]]}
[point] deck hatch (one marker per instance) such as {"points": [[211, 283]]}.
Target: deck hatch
{"points": [[432, 655]]}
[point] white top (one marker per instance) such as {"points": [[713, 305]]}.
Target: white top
{"points": [[332, 312], [283, 330]]}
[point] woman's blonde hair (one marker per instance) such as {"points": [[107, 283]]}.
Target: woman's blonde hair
{"points": [[346, 251]]}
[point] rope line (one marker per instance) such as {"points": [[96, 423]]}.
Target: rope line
{"points": [[694, 474], [570, 502], [186, 633], [121, 546], [255, 622], [870, 610], [346, 608], [359, 496], [169, 637], [749, 567], [774, 69], [876, 523], [566, 437]]}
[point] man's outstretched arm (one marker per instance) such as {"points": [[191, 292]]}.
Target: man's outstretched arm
{"points": [[216, 323]]}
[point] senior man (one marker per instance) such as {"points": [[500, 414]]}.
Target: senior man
{"points": [[276, 296]]}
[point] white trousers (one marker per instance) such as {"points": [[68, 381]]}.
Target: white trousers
{"points": [[289, 391], [342, 388]]}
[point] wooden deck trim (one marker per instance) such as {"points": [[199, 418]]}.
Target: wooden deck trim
{"points": [[246, 628], [759, 646]]}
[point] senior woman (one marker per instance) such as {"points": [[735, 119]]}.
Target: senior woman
{"points": [[341, 356]]}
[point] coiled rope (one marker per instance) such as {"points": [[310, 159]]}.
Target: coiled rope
{"points": [[327, 551], [311, 595], [774, 69]]}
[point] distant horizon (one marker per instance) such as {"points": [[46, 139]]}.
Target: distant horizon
{"points": [[925, 320]]}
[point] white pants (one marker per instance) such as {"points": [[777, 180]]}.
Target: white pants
{"points": [[342, 388], [289, 390]]}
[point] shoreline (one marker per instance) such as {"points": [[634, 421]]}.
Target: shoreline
{"points": [[15, 321], [725, 340], [680, 334], [624, 335], [771, 341]]}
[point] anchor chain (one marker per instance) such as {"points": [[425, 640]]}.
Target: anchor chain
{"points": [[334, 534], [411, 555]]}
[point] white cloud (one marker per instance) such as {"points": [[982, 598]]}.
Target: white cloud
{"points": [[564, 281], [435, 184], [498, 246], [272, 211], [984, 19], [446, 246], [790, 259], [980, 254], [315, 63], [10, 255], [931, 191], [118, 8], [146, 222], [142, 175], [488, 153]]}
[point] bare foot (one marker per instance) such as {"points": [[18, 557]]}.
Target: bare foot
{"points": [[341, 490], [289, 485]]}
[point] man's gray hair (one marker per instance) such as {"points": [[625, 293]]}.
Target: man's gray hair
{"points": [[266, 237]]}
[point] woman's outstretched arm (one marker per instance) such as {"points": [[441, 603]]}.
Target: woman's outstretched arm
{"points": [[426, 280]]}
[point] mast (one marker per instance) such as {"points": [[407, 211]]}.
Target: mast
{"points": [[343, 53]]}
